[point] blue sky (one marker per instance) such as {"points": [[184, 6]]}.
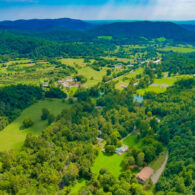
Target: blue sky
{"points": [[99, 9]]}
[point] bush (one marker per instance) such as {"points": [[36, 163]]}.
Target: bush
{"points": [[45, 114], [110, 149], [55, 93], [27, 122], [51, 119]]}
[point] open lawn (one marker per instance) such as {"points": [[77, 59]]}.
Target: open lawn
{"points": [[111, 162], [12, 137], [77, 187], [131, 141]]}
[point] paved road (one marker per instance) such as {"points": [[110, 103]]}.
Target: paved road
{"points": [[157, 174]]}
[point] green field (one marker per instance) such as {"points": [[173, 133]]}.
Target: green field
{"points": [[179, 49], [73, 62], [93, 76], [169, 81], [125, 79], [113, 163], [131, 141], [105, 37], [12, 137], [77, 187]]}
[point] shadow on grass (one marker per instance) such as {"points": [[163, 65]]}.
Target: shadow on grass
{"points": [[107, 154]]}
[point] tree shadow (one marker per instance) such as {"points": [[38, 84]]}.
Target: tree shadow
{"points": [[22, 127]]}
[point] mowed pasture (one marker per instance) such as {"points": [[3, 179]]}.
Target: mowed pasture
{"points": [[13, 136], [161, 85]]}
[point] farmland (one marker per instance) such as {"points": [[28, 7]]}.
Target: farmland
{"points": [[178, 49], [160, 85]]}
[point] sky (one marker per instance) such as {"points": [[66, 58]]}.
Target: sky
{"points": [[98, 9]]}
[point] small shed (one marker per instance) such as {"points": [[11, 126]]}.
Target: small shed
{"points": [[144, 174]]}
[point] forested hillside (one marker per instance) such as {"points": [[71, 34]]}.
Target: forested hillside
{"points": [[44, 25], [145, 29]]}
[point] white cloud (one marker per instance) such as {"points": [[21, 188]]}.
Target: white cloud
{"points": [[160, 10]]}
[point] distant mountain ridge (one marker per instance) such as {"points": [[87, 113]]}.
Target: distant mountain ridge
{"points": [[147, 29], [71, 30], [189, 27], [43, 25]]}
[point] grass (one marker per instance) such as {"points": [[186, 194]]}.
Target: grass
{"points": [[179, 49], [78, 186], [156, 164], [93, 76], [169, 81], [131, 141], [12, 137], [105, 37], [73, 62], [111, 162], [125, 79], [117, 59]]}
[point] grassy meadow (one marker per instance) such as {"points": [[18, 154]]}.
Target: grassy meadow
{"points": [[179, 49], [12, 137], [125, 79], [162, 84]]}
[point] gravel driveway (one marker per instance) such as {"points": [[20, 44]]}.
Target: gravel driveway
{"points": [[155, 177]]}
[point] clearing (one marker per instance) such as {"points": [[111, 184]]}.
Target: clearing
{"points": [[12, 137], [113, 163], [179, 49], [161, 85]]}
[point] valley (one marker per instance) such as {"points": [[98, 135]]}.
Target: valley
{"points": [[86, 109]]}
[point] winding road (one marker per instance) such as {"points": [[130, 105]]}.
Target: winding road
{"points": [[155, 177]]}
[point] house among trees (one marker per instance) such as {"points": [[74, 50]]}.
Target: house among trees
{"points": [[46, 84], [67, 82], [157, 62], [144, 174], [121, 150], [119, 65]]}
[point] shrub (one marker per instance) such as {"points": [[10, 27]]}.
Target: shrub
{"points": [[27, 122]]}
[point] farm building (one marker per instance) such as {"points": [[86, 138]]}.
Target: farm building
{"points": [[144, 174], [119, 65], [130, 65], [46, 84], [121, 150], [68, 82], [157, 61]]}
